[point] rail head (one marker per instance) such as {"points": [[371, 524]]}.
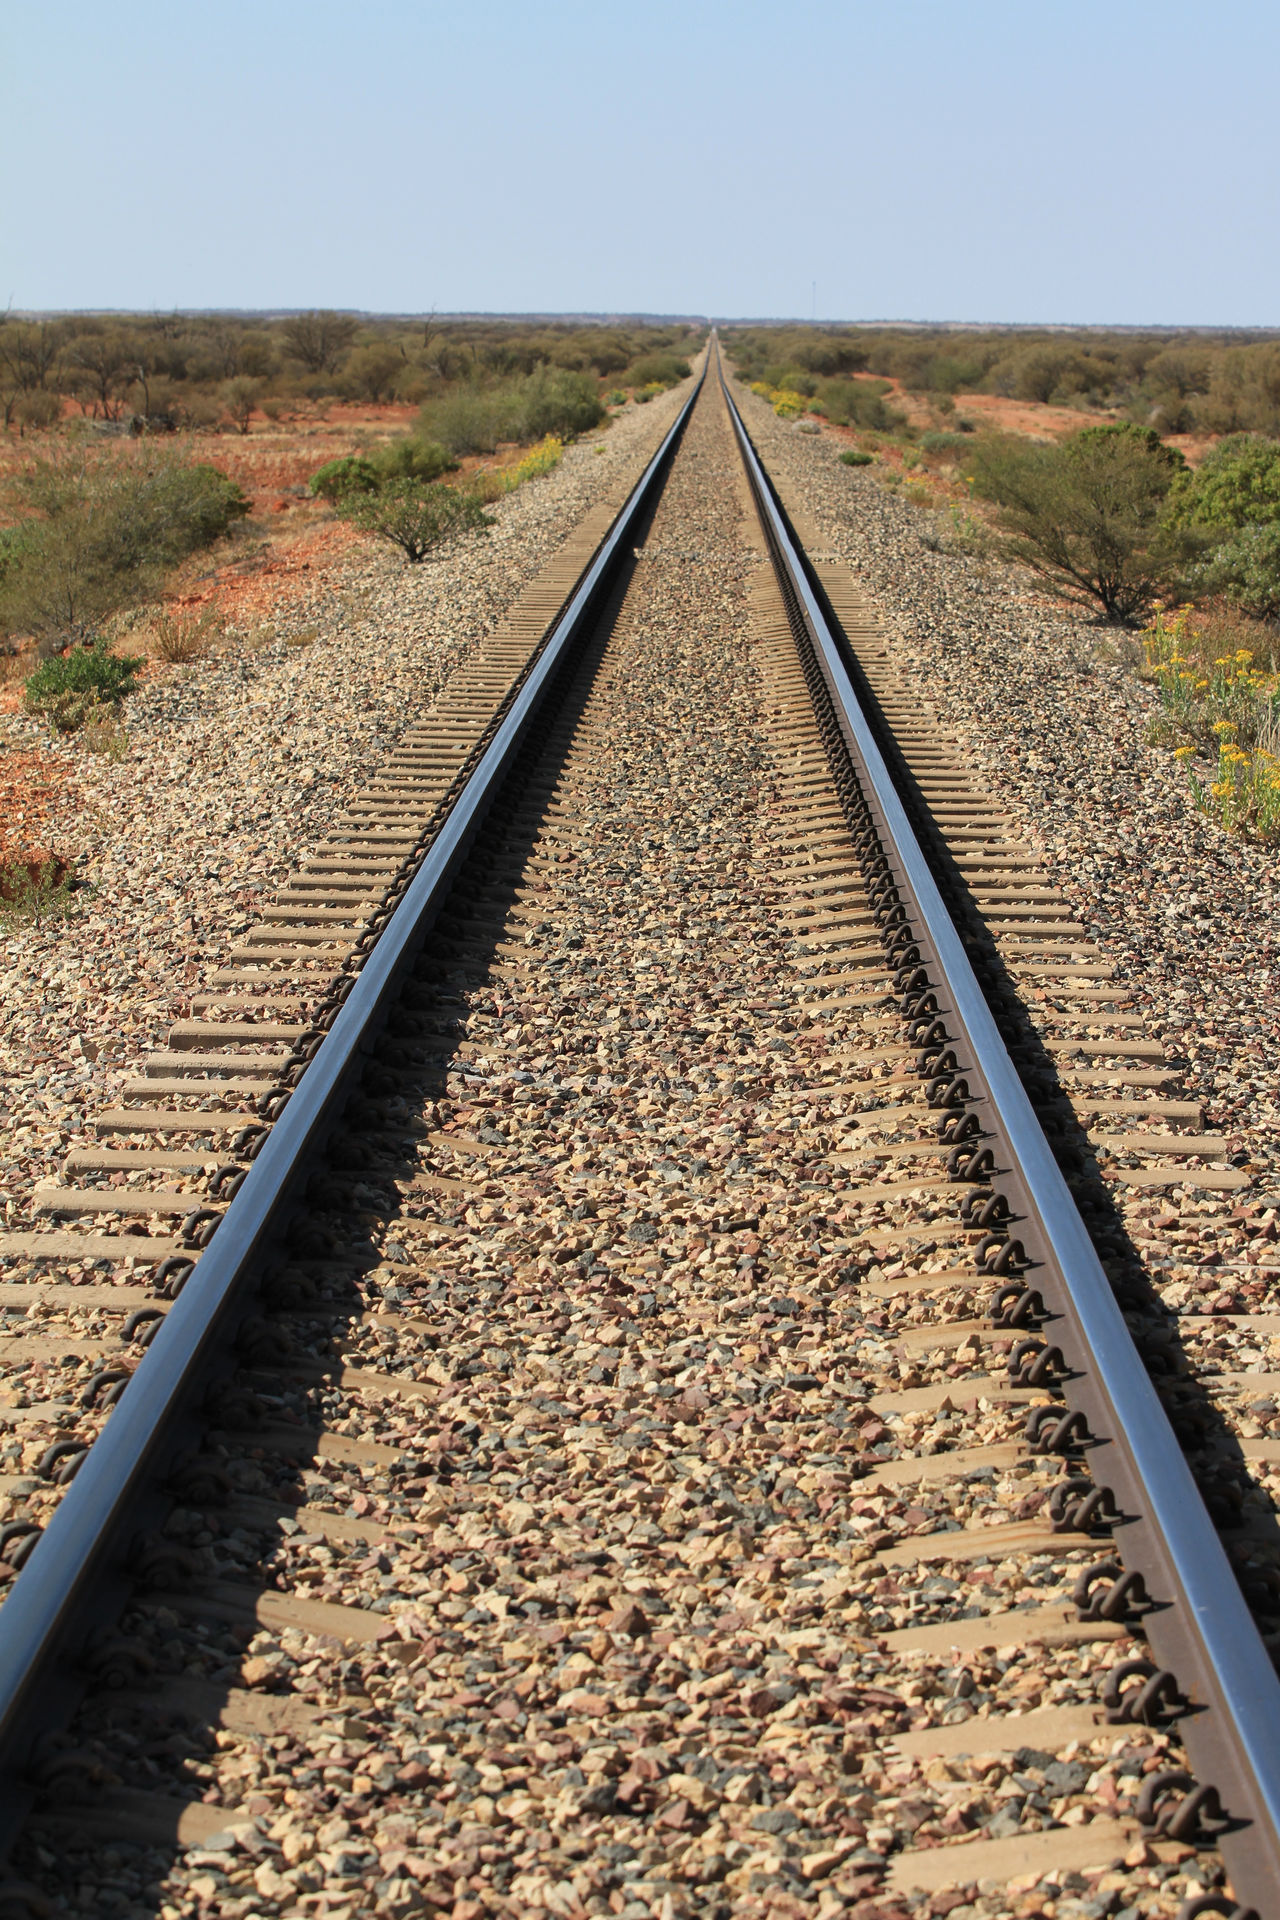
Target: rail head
{"points": [[58, 1578], [1201, 1624]]}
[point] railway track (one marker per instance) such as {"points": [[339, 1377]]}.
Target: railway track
{"points": [[597, 1392]]}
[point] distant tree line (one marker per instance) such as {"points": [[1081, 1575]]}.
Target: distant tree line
{"points": [[1190, 382], [193, 372]]}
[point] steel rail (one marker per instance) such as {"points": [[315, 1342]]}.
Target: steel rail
{"points": [[73, 1552], [1199, 1622]]}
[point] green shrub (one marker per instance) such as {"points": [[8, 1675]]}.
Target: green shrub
{"points": [[178, 509], [36, 889], [1087, 514], [415, 517], [98, 533], [407, 459], [471, 419], [1246, 570], [1244, 391], [616, 399], [796, 380], [411, 459], [858, 403], [66, 690], [829, 356], [657, 370], [353, 474], [855, 457], [550, 400], [558, 402], [372, 373], [37, 409], [1236, 485], [945, 443]]}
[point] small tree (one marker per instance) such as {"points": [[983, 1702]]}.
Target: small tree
{"points": [[416, 518], [240, 396], [104, 364], [29, 353], [319, 339], [371, 373], [1086, 515]]}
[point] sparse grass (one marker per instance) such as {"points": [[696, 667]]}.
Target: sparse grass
{"points": [[969, 535], [35, 890], [102, 733], [307, 637], [180, 638]]}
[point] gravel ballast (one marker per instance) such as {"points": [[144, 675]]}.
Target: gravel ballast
{"points": [[1189, 914], [236, 767], [662, 1529]]}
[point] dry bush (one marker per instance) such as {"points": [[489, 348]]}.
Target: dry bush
{"points": [[37, 887], [102, 733], [180, 639]]}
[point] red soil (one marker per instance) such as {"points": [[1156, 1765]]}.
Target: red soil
{"points": [[29, 783]]}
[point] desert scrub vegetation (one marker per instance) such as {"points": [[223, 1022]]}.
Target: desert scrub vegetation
{"points": [[493, 483], [1176, 380], [1219, 690], [180, 638], [394, 494], [73, 689], [845, 403], [95, 534], [1229, 511], [406, 459], [1113, 518], [1211, 685], [1244, 795], [475, 417], [1087, 515], [210, 373], [416, 518], [657, 370], [39, 888]]}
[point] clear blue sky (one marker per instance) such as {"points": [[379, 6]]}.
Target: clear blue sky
{"points": [[1019, 160]]}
